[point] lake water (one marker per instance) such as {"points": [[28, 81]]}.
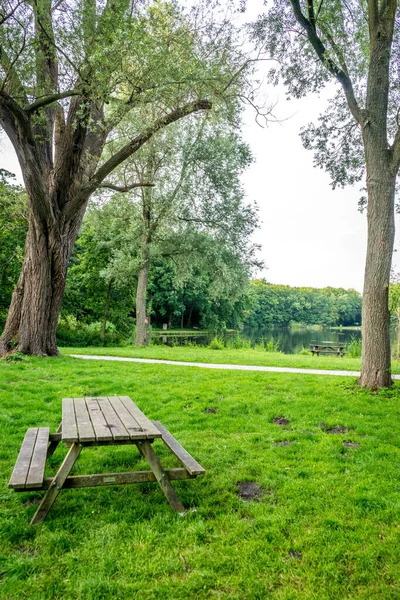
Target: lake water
{"points": [[290, 341]]}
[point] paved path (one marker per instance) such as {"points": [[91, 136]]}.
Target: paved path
{"points": [[221, 366]]}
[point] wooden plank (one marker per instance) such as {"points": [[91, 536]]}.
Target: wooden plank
{"points": [[113, 421], [21, 469], [145, 423], [84, 424], [100, 479], [55, 439], [131, 425], [38, 462], [56, 484], [190, 464], [101, 429], [161, 476], [69, 430]]}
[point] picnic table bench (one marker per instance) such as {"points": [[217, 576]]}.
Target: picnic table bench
{"points": [[327, 348], [90, 422]]}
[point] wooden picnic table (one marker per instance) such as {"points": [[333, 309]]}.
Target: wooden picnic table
{"points": [[327, 348], [90, 422]]}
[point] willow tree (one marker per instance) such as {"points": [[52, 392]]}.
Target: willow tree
{"points": [[69, 73], [355, 43], [194, 167]]}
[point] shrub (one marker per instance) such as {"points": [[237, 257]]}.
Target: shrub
{"points": [[353, 349], [272, 346], [216, 344], [304, 352], [71, 332], [16, 357]]}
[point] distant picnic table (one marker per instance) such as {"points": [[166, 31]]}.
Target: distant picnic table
{"points": [[327, 348], [88, 422]]}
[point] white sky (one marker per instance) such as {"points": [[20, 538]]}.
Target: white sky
{"points": [[310, 234]]}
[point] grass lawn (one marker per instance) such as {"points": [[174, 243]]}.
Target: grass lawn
{"points": [[246, 356], [326, 523]]}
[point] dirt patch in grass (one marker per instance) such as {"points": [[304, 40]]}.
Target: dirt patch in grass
{"points": [[250, 490], [338, 429], [281, 421], [210, 411], [283, 443], [294, 554], [351, 444], [30, 501]]}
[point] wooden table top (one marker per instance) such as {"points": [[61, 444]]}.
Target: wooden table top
{"points": [[105, 420]]}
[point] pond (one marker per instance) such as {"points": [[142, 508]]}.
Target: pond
{"points": [[287, 340]]}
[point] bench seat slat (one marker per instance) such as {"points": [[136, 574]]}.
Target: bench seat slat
{"points": [[29, 468], [38, 462], [21, 469], [190, 464]]}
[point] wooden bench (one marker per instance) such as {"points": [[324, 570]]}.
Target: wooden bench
{"points": [[191, 465], [87, 422], [28, 472], [327, 348]]}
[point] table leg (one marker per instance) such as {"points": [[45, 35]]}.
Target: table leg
{"points": [[147, 451], [53, 445], [57, 483]]}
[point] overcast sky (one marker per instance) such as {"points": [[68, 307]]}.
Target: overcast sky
{"points": [[310, 234]]}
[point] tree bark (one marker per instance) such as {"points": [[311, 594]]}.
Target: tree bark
{"points": [[142, 322], [376, 356], [106, 307], [36, 301]]}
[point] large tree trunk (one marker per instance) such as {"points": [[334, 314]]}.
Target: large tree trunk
{"points": [[106, 307], [36, 301], [375, 371], [142, 321]]}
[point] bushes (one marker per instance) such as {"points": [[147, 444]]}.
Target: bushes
{"points": [[353, 349], [71, 332], [216, 344]]}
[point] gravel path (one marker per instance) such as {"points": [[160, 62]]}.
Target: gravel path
{"points": [[221, 366]]}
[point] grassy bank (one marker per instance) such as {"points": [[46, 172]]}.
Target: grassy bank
{"points": [[247, 356], [325, 522]]}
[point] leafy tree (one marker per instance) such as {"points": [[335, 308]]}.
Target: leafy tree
{"points": [[69, 73], [194, 170], [357, 45], [282, 305]]}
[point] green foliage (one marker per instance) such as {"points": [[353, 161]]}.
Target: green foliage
{"points": [[16, 357], [13, 228], [271, 346], [216, 344], [71, 332], [304, 352], [354, 347], [282, 305]]}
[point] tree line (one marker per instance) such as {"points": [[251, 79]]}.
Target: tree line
{"points": [[198, 276], [282, 305]]}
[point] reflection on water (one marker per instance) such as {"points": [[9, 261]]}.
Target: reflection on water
{"points": [[290, 341]]}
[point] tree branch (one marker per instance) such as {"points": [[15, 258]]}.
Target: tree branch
{"points": [[395, 149], [129, 149], [137, 142], [126, 188], [332, 67], [372, 16], [50, 99]]}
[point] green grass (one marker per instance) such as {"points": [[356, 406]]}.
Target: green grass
{"points": [[328, 526], [247, 356]]}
